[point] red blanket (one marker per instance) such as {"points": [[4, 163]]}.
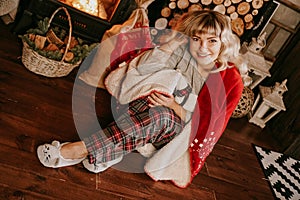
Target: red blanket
{"points": [[216, 102]]}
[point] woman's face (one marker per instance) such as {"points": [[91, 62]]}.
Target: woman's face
{"points": [[205, 48]]}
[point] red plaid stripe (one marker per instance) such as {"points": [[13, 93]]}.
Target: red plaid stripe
{"points": [[134, 128]]}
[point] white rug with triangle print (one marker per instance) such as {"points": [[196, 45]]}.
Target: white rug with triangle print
{"points": [[282, 171]]}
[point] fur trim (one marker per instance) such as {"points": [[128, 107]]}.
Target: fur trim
{"points": [[172, 162]]}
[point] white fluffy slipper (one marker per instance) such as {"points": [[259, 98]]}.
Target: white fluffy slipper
{"points": [[49, 155], [96, 168]]}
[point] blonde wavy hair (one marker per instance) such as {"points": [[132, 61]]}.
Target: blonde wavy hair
{"points": [[215, 23]]}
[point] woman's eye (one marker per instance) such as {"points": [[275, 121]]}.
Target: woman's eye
{"points": [[213, 41], [195, 39]]}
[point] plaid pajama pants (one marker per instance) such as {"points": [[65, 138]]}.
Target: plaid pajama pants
{"points": [[137, 125]]}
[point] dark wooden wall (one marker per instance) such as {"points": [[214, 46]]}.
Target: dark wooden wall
{"points": [[286, 125]]}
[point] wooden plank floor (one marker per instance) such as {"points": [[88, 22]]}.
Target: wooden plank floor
{"points": [[36, 109]]}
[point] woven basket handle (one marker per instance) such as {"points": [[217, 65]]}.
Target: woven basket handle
{"points": [[70, 28]]}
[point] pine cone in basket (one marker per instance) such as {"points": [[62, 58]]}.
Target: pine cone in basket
{"points": [[31, 37], [73, 42], [69, 56], [51, 47]]}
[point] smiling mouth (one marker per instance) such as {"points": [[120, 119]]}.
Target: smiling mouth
{"points": [[202, 55]]}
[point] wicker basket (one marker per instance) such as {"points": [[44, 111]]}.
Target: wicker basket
{"points": [[45, 66], [245, 104]]}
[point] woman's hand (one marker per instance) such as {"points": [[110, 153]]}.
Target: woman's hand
{"points": [[158, 99]]}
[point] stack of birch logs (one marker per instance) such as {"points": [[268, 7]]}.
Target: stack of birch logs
{"points": [[241, 12]]}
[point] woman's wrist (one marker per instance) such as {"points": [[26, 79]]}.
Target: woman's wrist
{"points": [[179, 110]]}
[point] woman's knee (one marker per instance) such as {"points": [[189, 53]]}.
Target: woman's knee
{"points": [[164, 116]]}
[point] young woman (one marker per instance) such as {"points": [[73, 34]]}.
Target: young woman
{"points": [[182, 133]]}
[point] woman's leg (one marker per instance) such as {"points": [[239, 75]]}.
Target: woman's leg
{"points": [[74, 150], [77, 150], [136, 127]]}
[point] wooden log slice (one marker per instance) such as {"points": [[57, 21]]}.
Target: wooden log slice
{"points": [[238, 26], [153, 31], [254, 12], [248, 17], [172, 5], [236, 1], [257, 4], [231, 9], [183, 4], [220, 8], [243, 8], [217, 2], [249, 25], [234, 15], [227, 3], [165, 12], [206, 2], [161, 23], [194, 1]]}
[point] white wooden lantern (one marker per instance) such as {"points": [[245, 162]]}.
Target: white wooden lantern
{"points": [[258, 66], [271, 103]]}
